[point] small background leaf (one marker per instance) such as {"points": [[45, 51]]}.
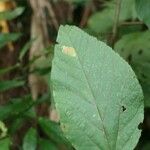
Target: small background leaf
{"points": [[8, 37], [25, 48], [52, 130], [4, 144], [16, 107], [11, 14], [46, 145], [134, 48], [143, 11], [9, 84], [102, 21], [30, 140]]}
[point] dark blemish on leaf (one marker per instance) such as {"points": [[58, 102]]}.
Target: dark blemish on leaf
{"points": [[63, 127], [140, 126], [129, 58], [140, 52], [134, 77], [123, 108]]}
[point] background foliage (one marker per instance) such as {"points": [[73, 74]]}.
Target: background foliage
{"points": [[28, 119]]}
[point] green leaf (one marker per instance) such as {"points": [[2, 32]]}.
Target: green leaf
{"points": [[46, 145], [44, 98], [99, 23], [102, 21], [52, 130], [16, 124], [146, 90], [96, 93], [8, 37], [16, 107], [143, 11], [30, 140], [4, 144], [146, 146], [11, 14], [9, 84], [126, 29], [134, 48], [25, 48], [42, 71], [78, 1], [8, 69]]}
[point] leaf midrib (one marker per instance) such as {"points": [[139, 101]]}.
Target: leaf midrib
{"points": [[90, 89]]}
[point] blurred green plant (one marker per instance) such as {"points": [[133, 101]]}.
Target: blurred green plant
{"points": [[143, 11], [131, 42]]}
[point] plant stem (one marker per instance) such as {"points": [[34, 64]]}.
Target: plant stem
{"points": [[116, 21], [86, 13], [131, 23]]}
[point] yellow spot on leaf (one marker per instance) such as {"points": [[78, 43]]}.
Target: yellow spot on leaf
{"points": [[69, 51]]}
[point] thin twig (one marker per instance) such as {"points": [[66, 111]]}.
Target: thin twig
{"points": [[71, 9], [116, 21], [52, 14], [85, 15], [131, 23]]}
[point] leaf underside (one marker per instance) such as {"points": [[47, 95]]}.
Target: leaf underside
{"points": [[97, 95]]}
